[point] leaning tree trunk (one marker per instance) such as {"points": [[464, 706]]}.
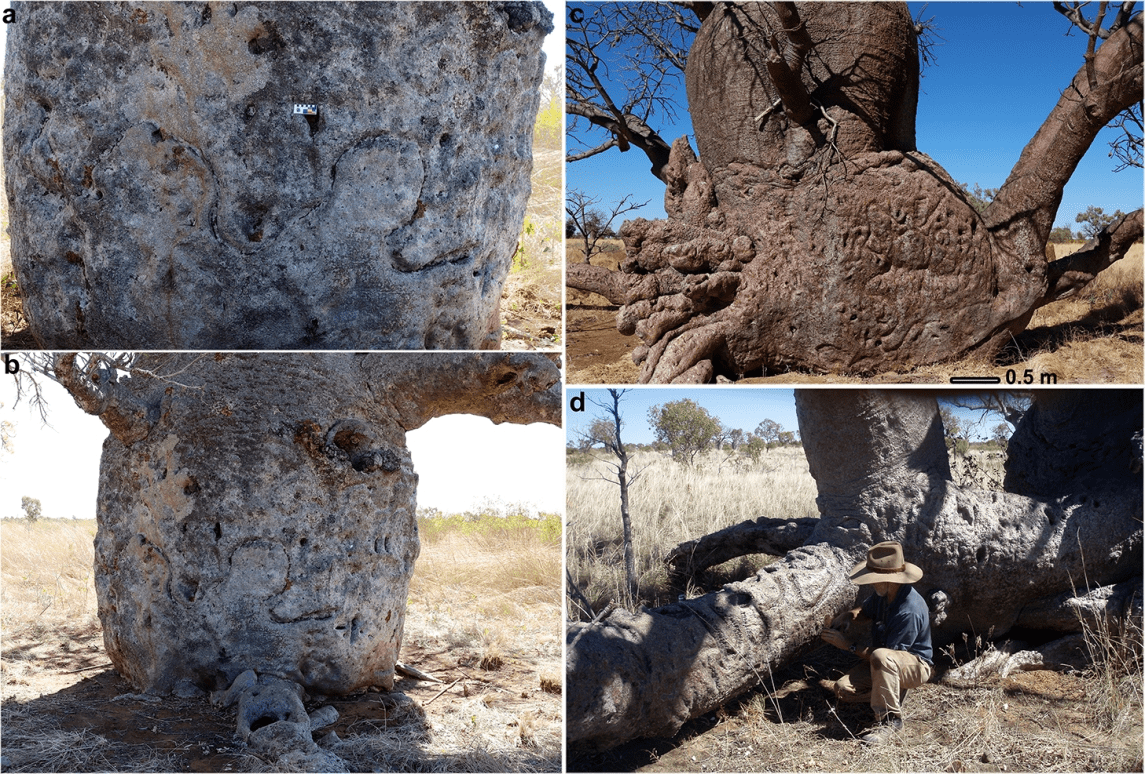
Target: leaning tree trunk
{"points": [[258, 511], [811, 233], [881, 467], [166, 193]]}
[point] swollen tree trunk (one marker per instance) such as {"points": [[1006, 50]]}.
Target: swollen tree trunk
{"points": [[269, 175], [880, 464], [812, 233], [258, 512]]}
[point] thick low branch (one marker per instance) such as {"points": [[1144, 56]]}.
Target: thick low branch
{"points": [[613, 285], [647, 673], [1100, 609], [1068, 275], [627, 129], [760, 536]]}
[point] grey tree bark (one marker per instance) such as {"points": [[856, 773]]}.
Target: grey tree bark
{"points": [[258, 512], [881, 468], [165, 194]]}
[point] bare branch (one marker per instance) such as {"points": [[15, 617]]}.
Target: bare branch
{"points": [[1068, 275], [611, 142]]}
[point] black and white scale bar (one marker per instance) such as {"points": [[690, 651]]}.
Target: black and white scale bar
{"points": [[975, 380]]}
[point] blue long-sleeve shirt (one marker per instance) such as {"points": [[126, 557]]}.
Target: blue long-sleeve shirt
{"points": [[901, 625]]}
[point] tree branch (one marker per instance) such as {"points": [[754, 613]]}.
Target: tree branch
{"points": [[1068, 275], [1033, 190], [761, 536]]}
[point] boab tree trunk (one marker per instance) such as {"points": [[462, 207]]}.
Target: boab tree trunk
{"points": [[812, 233], [165, 193], [258, 511], [880, 463]]}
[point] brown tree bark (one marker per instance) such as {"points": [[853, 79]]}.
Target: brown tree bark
{"points": [[811, 233], [880, 464]]}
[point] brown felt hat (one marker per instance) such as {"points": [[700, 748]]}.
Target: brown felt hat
{"points": [[885, 564]]}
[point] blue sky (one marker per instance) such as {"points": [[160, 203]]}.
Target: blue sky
{"points": [[999, 72], [736, 407]]}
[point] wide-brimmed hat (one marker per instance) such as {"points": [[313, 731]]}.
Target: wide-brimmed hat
{"points": [[885, 564]]}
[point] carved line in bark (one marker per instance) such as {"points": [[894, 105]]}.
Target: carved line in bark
{"points": [[646, 674]]}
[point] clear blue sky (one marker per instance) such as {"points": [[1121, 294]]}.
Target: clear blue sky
{"points": [[735, 407], [999, 72]]}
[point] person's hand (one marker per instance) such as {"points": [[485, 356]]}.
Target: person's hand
{"points": [[836, 638], [844, 620]]}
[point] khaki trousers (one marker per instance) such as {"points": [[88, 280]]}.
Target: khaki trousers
{"points": [[883, 680]]}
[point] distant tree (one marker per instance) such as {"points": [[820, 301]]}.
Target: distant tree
{"points": [[788, 438], [1094, 219], [686, 427], [768, 431], [980, 197], [1061, 234], [31, 507], [1000, 434], [754, 448], [593, 224], [954, 432], [735, 438]]}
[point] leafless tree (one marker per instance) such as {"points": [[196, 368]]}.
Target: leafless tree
{"points": [[654, 38], [593, 224], [605, 430]]}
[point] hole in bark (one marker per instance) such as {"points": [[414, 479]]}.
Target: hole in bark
{"points": [[981, 555], [314, 123], [218, 531], [206, 14], [303, 542], [191, 487], [506, 379], [262, 722]]}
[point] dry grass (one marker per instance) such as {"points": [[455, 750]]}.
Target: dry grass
{"points": [[46, 575], [531, 303], [671, 503]]}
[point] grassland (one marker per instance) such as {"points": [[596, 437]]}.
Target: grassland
{"points": [[671, 503], [484, 616]]}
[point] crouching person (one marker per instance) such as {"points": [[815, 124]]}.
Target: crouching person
{"points": [[901, 656]]}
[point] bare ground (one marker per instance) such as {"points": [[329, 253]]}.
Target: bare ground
{"points": [[1096, 337], [1029, 721]]}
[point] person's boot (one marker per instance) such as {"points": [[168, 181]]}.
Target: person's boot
{"points": [[887, 726]]}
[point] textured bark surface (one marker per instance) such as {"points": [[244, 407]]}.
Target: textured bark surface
{"points": [[811, 233], [164, 195], [759, 536], [260, 513], [879, 460]]}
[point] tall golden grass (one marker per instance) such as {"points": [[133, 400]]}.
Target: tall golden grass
{"points": [[671, 503], [46, 574]]}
